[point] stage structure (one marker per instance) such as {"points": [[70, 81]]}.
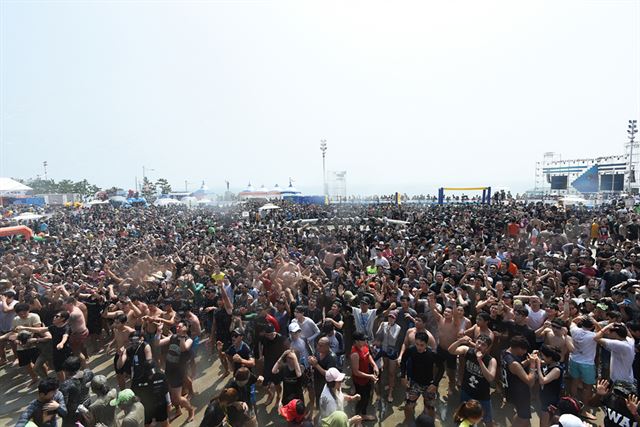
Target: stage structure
{"points": [[486, 193], [337, 185], [609, 174]]}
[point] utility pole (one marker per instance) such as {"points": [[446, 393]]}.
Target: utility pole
{"points": [[44, 165], [323, 148], [631, 134]]}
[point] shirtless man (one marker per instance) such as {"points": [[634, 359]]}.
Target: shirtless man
{"points": [[120, 341], [481, 327], [410, 337], [196, 332], [78, 328], [554, 333], [150, 329], [449, 329], [139, 309]]}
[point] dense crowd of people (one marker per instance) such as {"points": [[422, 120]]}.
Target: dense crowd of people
{"points": [[536, 304]]}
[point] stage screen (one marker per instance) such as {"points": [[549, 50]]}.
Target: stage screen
{"points": [[612, 182], [559, 182]]}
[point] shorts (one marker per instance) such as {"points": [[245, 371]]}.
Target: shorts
{"points": [[158, 411], [194, 346], [416, 390], [176, 377], [390, 353], [487, 413], [59, 356], [77, 340], [225, 339], [449, 359], [522, 404], [126, 368], [583, 372], [28, 356]]}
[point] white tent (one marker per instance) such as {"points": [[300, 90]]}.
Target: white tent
{"points": [[189, 201], [167, 202], [27, 216], [95, 202], [269, 207], [11, 187]]}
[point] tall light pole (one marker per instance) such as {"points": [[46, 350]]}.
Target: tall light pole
{"points": [[144, 175], [44, 165], [631, 134], [323, 148]]}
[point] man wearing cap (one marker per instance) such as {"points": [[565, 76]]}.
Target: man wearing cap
{"points": [[130, 411], [271, 347], [310, 330], [364, 318], [620, 409], [100, 410], [239, 351]]}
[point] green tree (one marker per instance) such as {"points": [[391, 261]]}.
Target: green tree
{"points": [[148, 189], [163, 186], [42, 186]]}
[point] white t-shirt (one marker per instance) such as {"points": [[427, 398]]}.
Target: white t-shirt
{"points": [[329, 405], [585, 346], [536, 318], [622, 354]]}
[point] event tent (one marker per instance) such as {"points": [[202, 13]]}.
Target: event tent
{"points": [[11, 187]]}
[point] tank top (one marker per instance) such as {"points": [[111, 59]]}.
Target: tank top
{"points": [[473, 382], [363, 364], [550, 393], [515, 386], [176, 359]]}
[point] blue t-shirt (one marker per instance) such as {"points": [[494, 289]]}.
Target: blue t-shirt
{"points": [[244, 351]]}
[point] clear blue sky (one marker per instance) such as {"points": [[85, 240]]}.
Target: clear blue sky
{"points": [[409, 95]]}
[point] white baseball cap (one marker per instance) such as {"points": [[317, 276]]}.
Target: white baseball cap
{"points": [[333, 374], [570, 420], [294, 327]]}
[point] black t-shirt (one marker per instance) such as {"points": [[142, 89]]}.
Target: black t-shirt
{"points": [[550, 393], [213, 415], [272, 350], [152, 390], [137, 361], [57, 332], [616, 413], [94, 314], [418, 367], [612, 278], [515, 388], [244, 392], [337, 317], [223, 323], [330, 361], [315, 315], [244, 351], [291, 385], [498, 324], [397, 272], [206, 303], [473, 382], [523, 330]]}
